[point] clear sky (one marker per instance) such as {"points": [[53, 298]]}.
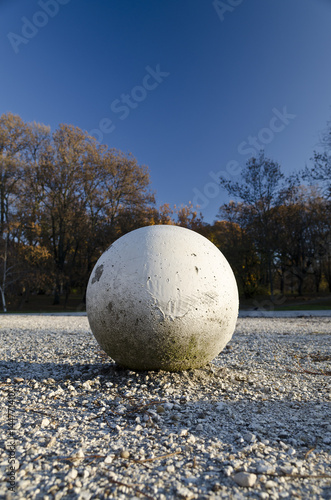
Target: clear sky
{"points": [[190, 87]]}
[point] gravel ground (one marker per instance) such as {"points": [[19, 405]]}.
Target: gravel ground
{"points": [[255, 423]]}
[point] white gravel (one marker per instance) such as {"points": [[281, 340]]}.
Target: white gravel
{"points": [[255, 423]]}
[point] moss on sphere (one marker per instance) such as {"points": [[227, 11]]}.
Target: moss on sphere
{"points": [[162, 298]]}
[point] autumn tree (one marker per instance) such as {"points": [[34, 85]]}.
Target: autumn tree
{"points": [[188, 216], [237, 246], [319, 175], [54, 186], [304, 230], [294, 220], [124, 189], [261, 190], [80, 194], [183, 215], [13, 141]]}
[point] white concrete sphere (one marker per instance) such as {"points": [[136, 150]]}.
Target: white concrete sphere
{"points": [[162, 298]]}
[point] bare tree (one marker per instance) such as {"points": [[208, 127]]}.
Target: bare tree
{"points": [[320, 172], [261, 189]]}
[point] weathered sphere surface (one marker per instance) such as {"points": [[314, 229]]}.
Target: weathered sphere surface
{"points": [[162, 298]]}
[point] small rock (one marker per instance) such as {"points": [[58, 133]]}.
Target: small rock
{"points": [[199, 427], [108, 459], [23, 485], [125, 454], [270, 484], [160, 409], [327, 439], [249, 437], [287, 469], [51, 442], [228, 471], [184, 492], [245, 479], [265, 468], [72, 474], [45, 422], [79, 454], [216, 487], [17, 380]]}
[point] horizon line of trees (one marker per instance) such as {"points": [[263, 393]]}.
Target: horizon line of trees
{"points": [[64, 198]]}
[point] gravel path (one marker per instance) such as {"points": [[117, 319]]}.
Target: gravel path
{"points": [[255, 423]]}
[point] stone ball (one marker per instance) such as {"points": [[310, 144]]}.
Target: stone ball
{"points": [[162, 298]]}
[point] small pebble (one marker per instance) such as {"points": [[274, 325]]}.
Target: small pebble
{"points": [[249, 437], [270, 484], [45, 422], [78, 454], [72, 474], [228, 471], [245, 479]]}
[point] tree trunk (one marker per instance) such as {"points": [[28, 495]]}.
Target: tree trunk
{"points": [[24, 299], [300, 284], [317, 278], [282, 284], [328, 272], [66, 297], [3, 298], [271, 281], [57, 292]]}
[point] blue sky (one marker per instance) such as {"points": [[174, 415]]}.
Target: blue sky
{"points": [[191, 87]]}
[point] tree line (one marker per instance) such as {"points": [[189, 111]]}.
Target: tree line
{"points": [[64, 198], [277, 234]]}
